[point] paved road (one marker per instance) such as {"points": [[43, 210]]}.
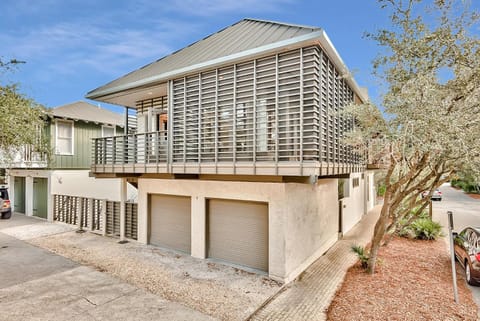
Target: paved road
{"points": [[466, 212], [38, 285]]}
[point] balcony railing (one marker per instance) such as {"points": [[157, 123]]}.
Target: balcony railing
{"points": [[150, 153], [28, 157], [145, 148]]}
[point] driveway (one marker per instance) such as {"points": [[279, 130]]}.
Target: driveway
{"points": [[466, 212], [36, 284]]}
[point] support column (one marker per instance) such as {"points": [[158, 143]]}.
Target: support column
{"points": [[104, 217], [123, 199], [11, 190], [29, 195], [199, 237], [49, 199], [142, 213]]}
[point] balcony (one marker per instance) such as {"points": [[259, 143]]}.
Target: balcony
{"points": [[150, 153], [134, 153], [27, 157]]}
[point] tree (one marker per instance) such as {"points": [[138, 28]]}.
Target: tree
{"points": [[431, 121], [21, 120]]}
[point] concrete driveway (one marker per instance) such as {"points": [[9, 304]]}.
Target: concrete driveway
{"points": [[38, 285]]}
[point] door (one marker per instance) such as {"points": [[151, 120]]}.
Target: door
{"points": [[170, 222], [40, 195], [19, 197], [237, 232]]}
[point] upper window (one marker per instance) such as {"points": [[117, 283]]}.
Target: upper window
{"points": [[64, 137], [108, 131]]}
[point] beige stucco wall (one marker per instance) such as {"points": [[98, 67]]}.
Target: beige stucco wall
{"points": [[353, 205], [310, 223], [303, 218], [360, 200], [371, 196], [79, 183]]}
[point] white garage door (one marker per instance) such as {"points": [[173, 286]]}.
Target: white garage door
{"points": [[238, 232], [170, 222]]}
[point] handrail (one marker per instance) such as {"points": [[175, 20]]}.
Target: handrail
{"points": [[139, 148]]}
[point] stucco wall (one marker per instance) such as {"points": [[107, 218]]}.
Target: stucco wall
{"points": [[371, 197], [353, 205], [79, 183], [303, 218], [311, 223]]}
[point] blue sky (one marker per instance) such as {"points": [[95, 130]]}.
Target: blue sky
{"points": [[72, 47]]}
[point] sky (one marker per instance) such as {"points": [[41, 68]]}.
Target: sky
{"points": [[73, 46]]}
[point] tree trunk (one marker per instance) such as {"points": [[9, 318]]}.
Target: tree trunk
{"points": [[378, 234]]}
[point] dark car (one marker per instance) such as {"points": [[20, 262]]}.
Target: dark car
{"points": [[5, 207], [436, 195], [467, 252]]}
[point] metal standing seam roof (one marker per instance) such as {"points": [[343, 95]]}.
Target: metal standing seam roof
{"points": [[242, 37], [81, 110]]}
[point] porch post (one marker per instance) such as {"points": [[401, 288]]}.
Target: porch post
{"points": [[123, 198]]}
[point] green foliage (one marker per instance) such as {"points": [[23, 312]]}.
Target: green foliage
{"points": [[422, 228], [430, 124], [21, 121], [361, 253], [381, 190], [468, 181]]}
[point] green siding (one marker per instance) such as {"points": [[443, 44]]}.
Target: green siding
{"points": [[82, 146]]}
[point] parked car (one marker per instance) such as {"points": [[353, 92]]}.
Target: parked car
{"points": [[5, 206], [436, 196], [467, 252]]}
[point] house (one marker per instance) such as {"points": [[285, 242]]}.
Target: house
{"points": [[34, 179], [238, 155]]}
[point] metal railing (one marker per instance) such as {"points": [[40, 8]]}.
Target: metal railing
{"points": [[141, 148]]}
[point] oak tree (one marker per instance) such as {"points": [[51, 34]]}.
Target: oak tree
{"points": [[21, 120], [430, 124]]}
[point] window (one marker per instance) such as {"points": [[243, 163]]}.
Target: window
{"points": [[108, 131], [64, 137]]}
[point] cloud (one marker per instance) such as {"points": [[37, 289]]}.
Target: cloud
{"points": [[215, 7], [66, 47]]}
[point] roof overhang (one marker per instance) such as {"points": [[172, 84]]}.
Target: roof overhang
{"points": [[155, 86]]}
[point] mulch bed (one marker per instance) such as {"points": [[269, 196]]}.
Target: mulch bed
{"points": [[475, 196], [412, 282]]}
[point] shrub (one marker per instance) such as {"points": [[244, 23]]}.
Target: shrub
{"points": [[423, 229], [381, 190], [362, 255]]}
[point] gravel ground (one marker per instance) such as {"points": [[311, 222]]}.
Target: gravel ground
{"points": [[27, 232], [412, 282], [224, 292]]}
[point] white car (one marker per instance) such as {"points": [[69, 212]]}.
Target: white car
{"points": [[436, 196]]}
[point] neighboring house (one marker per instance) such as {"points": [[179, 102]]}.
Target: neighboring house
{"points": [[239, 154], [34, 179]]}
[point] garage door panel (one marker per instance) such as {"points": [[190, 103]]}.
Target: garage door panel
{"points": [[238, 232], [170, 222]]}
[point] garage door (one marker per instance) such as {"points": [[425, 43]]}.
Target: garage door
{"points": [[40, 195], [238, 232], [170, 222], [19, 190]]}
